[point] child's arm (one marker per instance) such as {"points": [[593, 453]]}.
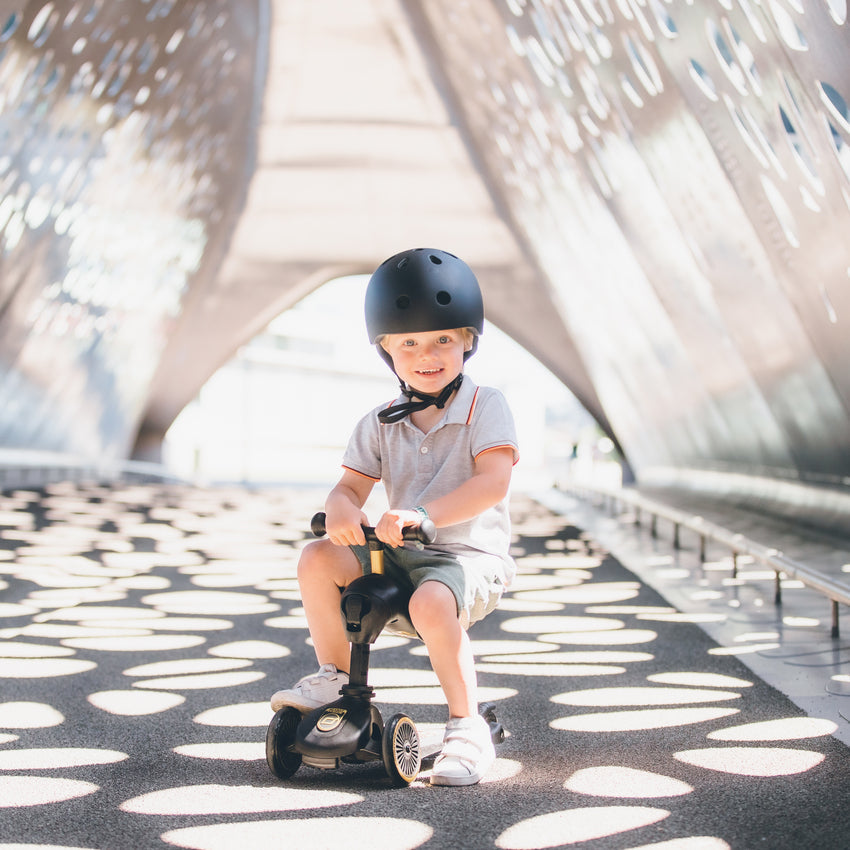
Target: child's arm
{"points": [[487, 487], [343, 514]]}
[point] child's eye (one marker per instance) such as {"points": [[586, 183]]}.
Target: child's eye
{"points": [[444, 339], [409, 342]]}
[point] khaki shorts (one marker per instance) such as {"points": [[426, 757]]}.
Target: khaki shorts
{"points": [[477, 581]]}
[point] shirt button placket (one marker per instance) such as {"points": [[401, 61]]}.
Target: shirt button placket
{"points": [[425, 461]]}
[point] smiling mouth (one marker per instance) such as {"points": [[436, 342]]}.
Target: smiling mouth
{"points": [[428, 372]]}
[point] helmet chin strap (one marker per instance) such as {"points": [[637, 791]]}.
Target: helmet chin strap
{"points": [[418, 401]]}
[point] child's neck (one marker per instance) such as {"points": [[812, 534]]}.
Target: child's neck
{"points": [[426, 419]]}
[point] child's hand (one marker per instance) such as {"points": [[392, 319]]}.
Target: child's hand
{"points": [[344, 526], [392, 523]]}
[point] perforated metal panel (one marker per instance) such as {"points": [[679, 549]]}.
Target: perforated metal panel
{"points": [[678, 171], [681, 171], [125, 134]]}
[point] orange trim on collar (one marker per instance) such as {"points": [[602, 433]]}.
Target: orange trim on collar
{"points": [[472, 406]]}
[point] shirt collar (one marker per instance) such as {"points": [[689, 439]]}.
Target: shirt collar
{"points": [[459, 410]]}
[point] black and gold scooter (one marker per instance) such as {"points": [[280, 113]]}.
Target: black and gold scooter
{"points": [[351, 730]]}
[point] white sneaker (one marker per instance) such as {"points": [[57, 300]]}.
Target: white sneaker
{"points": [[312, 691], [467, 753]]}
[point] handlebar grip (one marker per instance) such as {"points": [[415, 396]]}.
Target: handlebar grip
{"points": [[317, 524], [425, 532]]}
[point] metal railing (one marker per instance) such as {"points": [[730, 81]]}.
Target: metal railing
{"points": [[773, 559]]}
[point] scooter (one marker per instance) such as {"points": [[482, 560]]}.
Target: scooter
{"points": [[351, 730]]}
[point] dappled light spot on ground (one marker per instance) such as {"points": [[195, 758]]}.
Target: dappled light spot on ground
{"points": [[545, 625], [58, 631], [591, 594], [89, 613], [400, 677], [243, 715], [16, 791], [15, 649], [620, 637], [250, 649], [782, 729], [531, 582], [485, 647], [49, 758], [435, 696], [684, 618], [186, 624], [614, 781], [641, 696], [235, 751], [502, 769], [693, 842], [573, 826], [202, 681], [360, 834], [289, 621], [29, 715], [528, 669], [143, 583], [633, 721], [581, 656], [134, 703], [149, 643], [699, 680], [234, 800], [210, 602], [526, 606], [752, 649], [752, 761], [43, 668], [185, 666], [560, 563]]}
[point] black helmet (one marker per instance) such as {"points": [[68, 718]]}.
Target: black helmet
{"points": [[423, 290]]}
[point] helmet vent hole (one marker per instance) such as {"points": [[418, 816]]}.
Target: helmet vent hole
{"points": [[402, 263], [435, 260], [402, 302], [444, 298]]}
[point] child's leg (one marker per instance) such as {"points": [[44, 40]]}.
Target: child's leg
{"points": [[324, 571], [433, 612], [467, 751]]}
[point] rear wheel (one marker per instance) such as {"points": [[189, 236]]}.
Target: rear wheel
{"points": [[401, 750], [282, 759]]}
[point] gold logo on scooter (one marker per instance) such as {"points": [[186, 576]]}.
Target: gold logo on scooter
{"points": [[331, 719]]}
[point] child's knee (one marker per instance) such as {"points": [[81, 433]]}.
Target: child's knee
{"points": [[314, 556], [321, 559], [432, 604]]}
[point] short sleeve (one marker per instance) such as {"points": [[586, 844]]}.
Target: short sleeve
{"points": [[363, 453], [492, 424]]}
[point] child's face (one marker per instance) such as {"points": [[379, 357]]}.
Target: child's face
{"points": [[430, 360]]}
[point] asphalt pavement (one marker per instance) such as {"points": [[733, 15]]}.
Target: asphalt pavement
{"points": [[144, 628]]}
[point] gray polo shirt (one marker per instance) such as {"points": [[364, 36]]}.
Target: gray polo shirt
{"points": [[417, 467]]}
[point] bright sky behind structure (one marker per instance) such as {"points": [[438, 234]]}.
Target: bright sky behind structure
{"points": [[282, 410]]}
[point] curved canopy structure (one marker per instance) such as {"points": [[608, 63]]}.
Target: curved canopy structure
{"points": [[655, 197]]}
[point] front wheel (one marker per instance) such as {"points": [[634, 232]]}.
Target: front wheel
{"points": [[282, 759], [401, 750]]}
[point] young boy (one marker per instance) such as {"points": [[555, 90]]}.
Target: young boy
{"points": [[444, 449]]}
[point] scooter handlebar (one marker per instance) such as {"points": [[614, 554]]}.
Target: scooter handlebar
{"points": [[425, 532]]}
